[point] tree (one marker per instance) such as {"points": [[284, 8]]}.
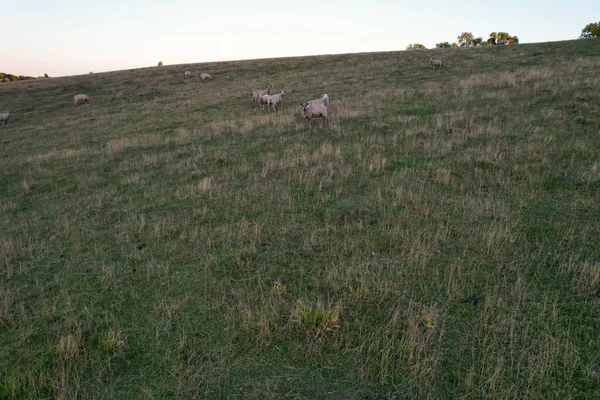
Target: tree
{"points": [[416, 46], [442, 45], [591, 30], [502, 38], [478, 41], [465, 39], [454, 44]]}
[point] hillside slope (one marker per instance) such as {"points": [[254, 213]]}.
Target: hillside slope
{"points": [[439, 238]]}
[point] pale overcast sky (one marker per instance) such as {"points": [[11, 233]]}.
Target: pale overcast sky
{"points": [[74, 37]]}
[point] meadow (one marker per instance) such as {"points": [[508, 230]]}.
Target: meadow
{"points": [[439, 238]]}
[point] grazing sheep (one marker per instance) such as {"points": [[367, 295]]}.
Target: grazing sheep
{"points": [[205, 77], [81, 98], [323, 101], [188, 74], [276, 99], [504, 42], [256, 94], [264, 99], [436, 63], [7, 79], [5, 118], [310, 112], [160, 63]]}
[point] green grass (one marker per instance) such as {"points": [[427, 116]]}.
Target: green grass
{"points": [[170, 240]]}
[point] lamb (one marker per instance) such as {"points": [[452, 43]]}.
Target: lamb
{"points": [[5, 118], [205, 77], [436, 63], [256, 94], [81, 98], [276, 99], [160, 63], [310, 112], [188, 74], [323, 101]]}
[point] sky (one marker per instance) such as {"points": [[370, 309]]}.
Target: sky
{"points": [[75, 37]]}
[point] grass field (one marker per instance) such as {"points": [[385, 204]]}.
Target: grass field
{"points": [[440, 238]]}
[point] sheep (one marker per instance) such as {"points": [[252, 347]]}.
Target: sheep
{"points": [[205, 77], [436, 63], [276, 99], [264, 99], [160, 63], [5, 118], [256, 94], [188, 74], [310, 112], [81, 98], [503, 42], [323, 101]]}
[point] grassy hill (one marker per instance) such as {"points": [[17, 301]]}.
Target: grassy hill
{"points": [[440, 238]]}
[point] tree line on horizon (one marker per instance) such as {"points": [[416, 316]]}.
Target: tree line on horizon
{"points": [[466, 39], [13, 78]]}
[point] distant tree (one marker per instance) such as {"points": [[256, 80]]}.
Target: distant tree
{"points": [[478, 41], [502, 38], [46, 76], [454, 44], [591, 30], [416, 46], [442, 45], [465, 39]]}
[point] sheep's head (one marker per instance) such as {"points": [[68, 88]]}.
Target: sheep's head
{"points": [[304, 105], [282, 93]]}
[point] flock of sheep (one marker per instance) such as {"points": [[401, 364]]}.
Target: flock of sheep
{"points": [[311, 109]]}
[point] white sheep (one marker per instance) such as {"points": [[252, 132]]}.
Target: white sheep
{"points": [[5, 118], [276, 99], [188, 74], [205, 77], [436, 63], [81, 98], [160, 63], [323, 101], [264, 99], [310, 112], [256, 94]]}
